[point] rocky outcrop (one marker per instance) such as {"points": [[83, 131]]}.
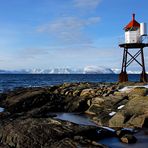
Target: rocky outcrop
{"points": [[39, 132], [134, 114], [27, 118]]}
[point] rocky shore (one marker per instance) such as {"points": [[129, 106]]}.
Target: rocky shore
{"points": [[28, 120]]}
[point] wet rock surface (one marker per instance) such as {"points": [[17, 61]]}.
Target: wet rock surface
{"points": [[27, 120], [39, 132]]}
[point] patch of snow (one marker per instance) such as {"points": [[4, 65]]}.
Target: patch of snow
{"points": [[129, 88], [126, 89], [112, 113], [120, 106], [129, 129], [1, 109]]}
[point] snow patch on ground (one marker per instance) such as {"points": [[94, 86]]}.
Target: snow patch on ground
{"points": [[120, 106], [130, 88], [112, 113]]}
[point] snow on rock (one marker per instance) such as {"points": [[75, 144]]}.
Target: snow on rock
{"points": [[112, 113], [120, 106], [128, 89]]}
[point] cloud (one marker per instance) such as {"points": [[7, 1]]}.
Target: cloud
{"points": [[86, 4], [69, 30], [31, 53]]}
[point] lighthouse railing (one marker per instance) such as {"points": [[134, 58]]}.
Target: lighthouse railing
{"points": [[142, 39]]}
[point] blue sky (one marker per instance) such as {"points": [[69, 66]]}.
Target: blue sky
{"points": [[65, 33]]}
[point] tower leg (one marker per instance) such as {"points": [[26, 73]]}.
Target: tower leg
{"points": [[123, 77], [143, 76]]}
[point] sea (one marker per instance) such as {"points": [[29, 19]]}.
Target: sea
{"points": [[13, 81]]}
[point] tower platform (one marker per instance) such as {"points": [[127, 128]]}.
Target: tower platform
{"points": [[133, 45]]}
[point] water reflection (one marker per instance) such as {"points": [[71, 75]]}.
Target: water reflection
{"points": [[112, 142], [75, 118]]}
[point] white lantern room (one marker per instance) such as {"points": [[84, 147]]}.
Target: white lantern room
{"points": [[134, 31]]}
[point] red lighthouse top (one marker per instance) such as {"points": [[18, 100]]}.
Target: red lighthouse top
{"points": [[132, 24]]}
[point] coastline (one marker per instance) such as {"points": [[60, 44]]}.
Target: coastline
{"points": [[106, 104]]}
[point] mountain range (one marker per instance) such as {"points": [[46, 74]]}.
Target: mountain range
{"points": [[85, 70]]}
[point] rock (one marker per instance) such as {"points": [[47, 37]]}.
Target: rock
{"points": [[26, 100], [128, 138], [138, 121], [120, 133], [99, 145], [39, 132], [78, 138], [87, 92], [134, 114], [64, 143], [3, 146], [89, 102], [76, 104], [146, 132], [138, 91], [117, 120], [97, 100]]}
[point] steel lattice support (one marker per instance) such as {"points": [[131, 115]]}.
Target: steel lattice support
{"points": [[128, 58]]}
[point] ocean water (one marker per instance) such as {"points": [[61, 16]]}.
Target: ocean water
{"points": [[11, 81]]}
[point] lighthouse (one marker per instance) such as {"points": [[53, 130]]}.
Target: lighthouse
{"points": [[135, 34]]}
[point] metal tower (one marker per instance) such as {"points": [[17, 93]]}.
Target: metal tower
{"points": [[134, 34]]}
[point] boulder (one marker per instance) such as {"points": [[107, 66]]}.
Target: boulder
{"points": [[97, 100], [117, 120], [88, 92], [138, 121], [134, 113], [94, 109], [138, 91], [128, 138], [120, 133]]}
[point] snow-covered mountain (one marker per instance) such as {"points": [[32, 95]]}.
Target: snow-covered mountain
{"points": [[85, 70], [55, 71], [97, 70]]}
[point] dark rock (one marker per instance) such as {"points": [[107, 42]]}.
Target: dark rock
{"points": [[126, 135], [40, 132], [128, 138], [64, 143], [122, 132], [3, 146]]}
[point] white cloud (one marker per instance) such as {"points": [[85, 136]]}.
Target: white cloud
{"points": [[30, 53], [69, 29], [87, 4]]}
